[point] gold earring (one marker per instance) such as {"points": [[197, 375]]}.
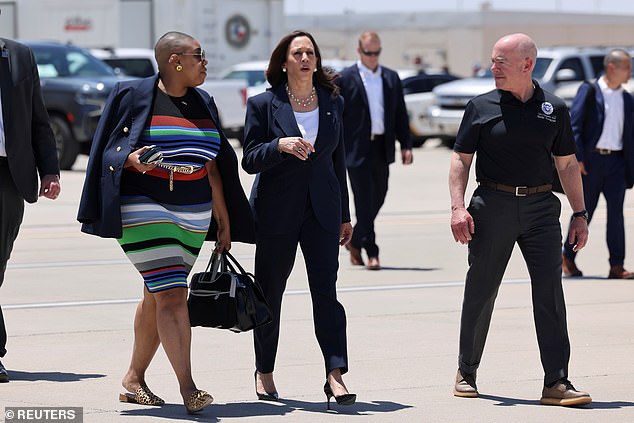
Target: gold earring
{"points": [[179, 68]]}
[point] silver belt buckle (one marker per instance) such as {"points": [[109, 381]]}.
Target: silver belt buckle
{"points": [[522, 193]]}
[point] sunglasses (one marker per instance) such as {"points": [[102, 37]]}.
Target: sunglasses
{"points": [[370, 53], [200, 56]]}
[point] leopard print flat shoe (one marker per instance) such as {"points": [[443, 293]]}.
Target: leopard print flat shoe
{"points": [[142, 396], [197, 401]]}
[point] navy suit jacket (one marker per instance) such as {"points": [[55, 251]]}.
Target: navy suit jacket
{"points": [[284, 184], [587, 125], [29, 140], [121, 124], [356, 115]]}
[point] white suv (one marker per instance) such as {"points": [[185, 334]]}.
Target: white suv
{"points": [[255, 73], [554, 66], [229, 95]]}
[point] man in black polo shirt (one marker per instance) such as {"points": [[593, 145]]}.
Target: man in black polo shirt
{"points": [[515, 129]]}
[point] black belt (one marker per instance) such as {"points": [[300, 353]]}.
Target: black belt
{"points": [[605, 151], [377, 137], [4, 161], [518, 191]]}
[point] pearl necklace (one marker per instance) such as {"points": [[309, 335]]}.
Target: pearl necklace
{"points": [[304, 102]]}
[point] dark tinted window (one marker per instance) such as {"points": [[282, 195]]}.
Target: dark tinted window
{"points": [[132, 66], [541, 64], [574, 64], [53, 61], [597, 65], [424, 83]]}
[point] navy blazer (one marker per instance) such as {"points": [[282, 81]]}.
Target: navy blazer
{"points": [[356, 115], [29, 140], [121, 124], [284, 183], [587, 125]]}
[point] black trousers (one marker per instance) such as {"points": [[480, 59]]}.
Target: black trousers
{"points": [[274, 260], [501, 220], [369, 184], [11, 213], [606, 174]]}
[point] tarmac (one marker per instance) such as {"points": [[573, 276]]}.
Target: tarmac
{"points": [[69, 301]]}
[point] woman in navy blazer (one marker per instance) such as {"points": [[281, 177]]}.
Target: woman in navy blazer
{"points": [[294, 143], [137, 110]]}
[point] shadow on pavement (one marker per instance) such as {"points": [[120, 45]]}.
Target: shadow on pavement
{"points": [[507, 401], [261, 408], [598, 405], [610, 405], [52, 376]]}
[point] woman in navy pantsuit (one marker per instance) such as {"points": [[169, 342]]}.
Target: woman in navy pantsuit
{"points": [[294, 143]]}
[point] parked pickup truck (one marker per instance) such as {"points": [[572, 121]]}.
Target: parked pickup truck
{"points": [[229, 95], [554, 66], [568, 91], [75, 86]]}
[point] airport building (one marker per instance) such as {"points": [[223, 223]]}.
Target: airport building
{"points": [[234, 31]]}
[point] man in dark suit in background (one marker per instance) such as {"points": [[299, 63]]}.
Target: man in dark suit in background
{"points": [[374, 117], [602, 118], [27, 146]]}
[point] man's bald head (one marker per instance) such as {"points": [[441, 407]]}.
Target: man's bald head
{"points": [[512, 64], [520, 44], [616, 56], [169, 43]]}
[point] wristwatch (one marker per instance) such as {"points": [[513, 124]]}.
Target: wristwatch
{"points": [[582, 214]]}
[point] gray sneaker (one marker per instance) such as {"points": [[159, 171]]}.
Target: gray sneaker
{"points": [[465, 385], [563, 393], [4, 376]]}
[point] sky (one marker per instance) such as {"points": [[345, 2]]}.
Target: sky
{"points": [[320, 7]]}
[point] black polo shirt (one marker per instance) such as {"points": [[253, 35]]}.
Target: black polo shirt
{"points": [[514, 140]]}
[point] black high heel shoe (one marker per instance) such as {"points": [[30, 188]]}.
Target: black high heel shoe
{"points": [[265, 396], [345, 399]]}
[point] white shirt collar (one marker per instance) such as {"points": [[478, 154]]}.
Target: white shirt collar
{"points": [[363, 68], [604, 86]]}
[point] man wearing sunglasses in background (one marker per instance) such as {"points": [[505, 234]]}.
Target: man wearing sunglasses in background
{"points": [[374, 117]]}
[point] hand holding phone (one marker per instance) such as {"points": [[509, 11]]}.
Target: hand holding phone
{"points": [[152, 155]]}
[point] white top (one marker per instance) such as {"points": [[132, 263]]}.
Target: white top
{"points": [[308, 123], [612, 135], [3, 151], [373, 84]]}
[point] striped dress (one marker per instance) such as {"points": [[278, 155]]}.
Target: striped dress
{"points": [[166, 214]]}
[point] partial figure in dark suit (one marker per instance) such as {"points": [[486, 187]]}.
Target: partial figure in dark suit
{"points": [[373, 118], [602, 117], [27, 147], [294, 143], [161, 212]]}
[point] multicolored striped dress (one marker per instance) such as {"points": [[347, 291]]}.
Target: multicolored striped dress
{"points": [[166, 213]]}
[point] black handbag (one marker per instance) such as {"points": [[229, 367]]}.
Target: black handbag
{"points": [[225, 296]]}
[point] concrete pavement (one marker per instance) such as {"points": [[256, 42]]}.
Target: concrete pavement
{"points": [[69, 300]]}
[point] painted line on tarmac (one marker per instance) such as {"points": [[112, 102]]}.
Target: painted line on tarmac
{"points": [[83, 263], [68, 304], [62, 304], [403, 287], [67, 264]]}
